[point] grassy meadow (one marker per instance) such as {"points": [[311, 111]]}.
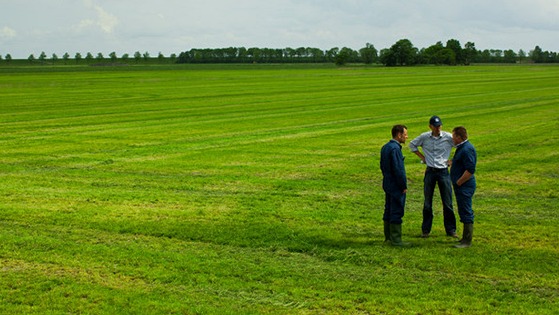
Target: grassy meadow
{"points": [[257, 190]]}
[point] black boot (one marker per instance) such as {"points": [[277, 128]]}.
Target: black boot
{"points": [[386, 232], [396, 236], [467, 236]]}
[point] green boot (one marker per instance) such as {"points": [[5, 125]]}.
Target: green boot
{"points": [[396, 236], [387, 232], [467, 236]]}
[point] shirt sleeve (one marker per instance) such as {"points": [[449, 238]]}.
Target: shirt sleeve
{"points": [[416, 143], [470, 161], [449, 140]]}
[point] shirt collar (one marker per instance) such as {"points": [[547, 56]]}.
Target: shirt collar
{"points": [[461, 143], [436, 137]]}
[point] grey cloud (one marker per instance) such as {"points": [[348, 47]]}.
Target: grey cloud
{"points": [[177, 25]]}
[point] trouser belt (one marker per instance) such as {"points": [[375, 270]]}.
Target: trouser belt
{"points": [[434, 169]]}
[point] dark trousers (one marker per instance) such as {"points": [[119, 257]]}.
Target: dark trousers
{"points": [[464, 196], [441, 178], [394, 204]]}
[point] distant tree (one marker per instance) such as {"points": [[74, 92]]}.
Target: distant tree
{"points": [[242, 54], [54, 58], [496, 55], [537, 55], [369, 54], [231, 54], [160, 57], [429, 55], [137, 56], [277, 55], [387, 57], [99, 57], [173, 57], [509, 56], [454, 45], [8, 57], [300, 53], [484, 56], [521, 55], [125, 57], [405, 52], [331, 54], [316, 55], [553, 57], [343, 56], [549, 57], [43, 57], [31, 58], [469, 53], [146, 56], [89, 57], [445, 56], [402, 53], [253, 54], [289, 54], [113, 56], [78, 57], [66, 57], [184, 57]]}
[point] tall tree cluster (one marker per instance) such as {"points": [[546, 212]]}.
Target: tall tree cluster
{"points": [[452, 53]]}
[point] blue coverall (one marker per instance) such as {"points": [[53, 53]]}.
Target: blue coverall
{"points": [[394, 181]]}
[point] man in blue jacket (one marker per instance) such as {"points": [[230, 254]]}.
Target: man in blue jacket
{"points": [[464, 182], [394, 184]]}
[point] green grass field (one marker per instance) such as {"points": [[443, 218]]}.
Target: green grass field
{"points": [[257, 190]]}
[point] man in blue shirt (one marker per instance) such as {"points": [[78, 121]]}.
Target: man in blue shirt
{"points": [[436, 145], [464, 182], [394, 184]]}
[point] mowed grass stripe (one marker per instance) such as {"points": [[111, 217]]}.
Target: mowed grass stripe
{"points": [[178, 118]]}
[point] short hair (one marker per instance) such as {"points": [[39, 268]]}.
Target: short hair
{"points": [[398, 129], [460, 132]]}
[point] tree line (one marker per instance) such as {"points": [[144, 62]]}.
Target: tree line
{"points": [[89, 58], [402, 53]]}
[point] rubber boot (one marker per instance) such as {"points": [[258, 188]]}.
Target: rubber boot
{"points": [[387, 232], [467, 236], [396, 236]]}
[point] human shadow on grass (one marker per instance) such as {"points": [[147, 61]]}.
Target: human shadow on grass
{"points": [[262, 235]]}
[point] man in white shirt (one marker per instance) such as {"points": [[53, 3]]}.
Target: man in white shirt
{"points": [[437, 146]]}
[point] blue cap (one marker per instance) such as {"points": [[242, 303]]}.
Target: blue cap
{"points": [[435, 121]]}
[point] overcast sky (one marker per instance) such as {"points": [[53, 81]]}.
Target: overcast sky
{"points": [[172, 26]]}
